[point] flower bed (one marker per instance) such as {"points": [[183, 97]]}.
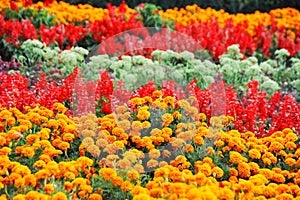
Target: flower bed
{"points": [[218, 122]]}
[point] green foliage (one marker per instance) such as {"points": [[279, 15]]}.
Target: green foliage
{"points": [[37, 17], [151, 18]]}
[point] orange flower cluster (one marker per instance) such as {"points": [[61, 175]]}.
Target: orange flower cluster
{"points": [[287, 17], [66, 12], [192, 157]]}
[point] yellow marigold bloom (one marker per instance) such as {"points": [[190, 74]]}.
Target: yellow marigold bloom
{"points": [[279, 178], [59, 107], [210, 150], [202, 117], [101, 143], [68, 137], [254, 154], [177, 143], [170, 101], [291, 137], [254, 167], [69, 175], [290, 145], [143, 115], [5, 151], [87, 141], [59, 196], [177, 115], [290, 162], [139, 168], [119, 144], [137, 101], [188, 148], [259, 179], [157, 93], [167, 119], [124, 164], [142, 197]]}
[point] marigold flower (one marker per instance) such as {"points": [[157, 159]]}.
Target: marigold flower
{"points": [[266, 172], [30, 180], [119, 145], [64, 145], [275, 146], [28, 152], [167, 119], [254, 154], [59, 196], [279, 178], [95, 197], [68, 186], [59, 107], [290, 162], [107, 173], [133, 175], [198, 140], [49, 188], [244, 170], [217, 172], [154, 153], [117, 181]]}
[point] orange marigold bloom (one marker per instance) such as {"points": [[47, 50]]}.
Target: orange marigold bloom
{"points": [[59, 196], [275, 146], [143, 114], [126, 186], [64, 146], [59, 107], [217, 172], [279, 178], [28, 152], [244, 170], [254, 154], [95, 197], [266, 172], [167, 119], [68, 186], [49, 188], [133, 175], [107, 173], [290, 161], [30, 180], [152, 163]]}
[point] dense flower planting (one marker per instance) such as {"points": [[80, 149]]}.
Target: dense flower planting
{"points": [[226, 127], [215, 30]]}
